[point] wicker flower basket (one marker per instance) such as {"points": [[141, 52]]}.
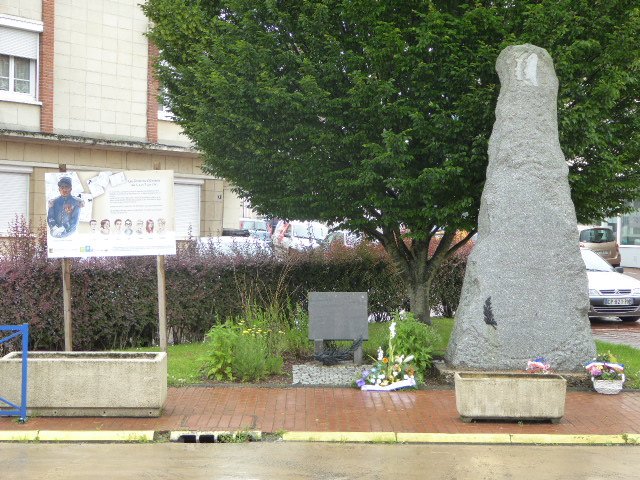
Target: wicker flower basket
{"points": [[608, 387]]}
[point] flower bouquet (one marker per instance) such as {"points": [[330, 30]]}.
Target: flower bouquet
{"points": [[607, 375], [390, 371], [538, 365]]}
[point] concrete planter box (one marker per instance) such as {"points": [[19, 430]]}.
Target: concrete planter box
{"points": [[94, 384], [510, 396]]}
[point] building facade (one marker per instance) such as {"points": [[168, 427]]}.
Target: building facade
{"points": [[77, 91]]}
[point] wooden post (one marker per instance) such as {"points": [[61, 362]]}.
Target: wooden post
{"points": [[162, 311], [66, 294], [162, 299], [66, 298]]}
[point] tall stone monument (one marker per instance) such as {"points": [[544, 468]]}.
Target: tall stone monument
{"points": [[525, 290]]}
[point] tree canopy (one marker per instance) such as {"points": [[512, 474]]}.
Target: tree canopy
{"points": [[376, 114]]}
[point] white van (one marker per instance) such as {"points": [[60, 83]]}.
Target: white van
{"points": [[296, 235]]}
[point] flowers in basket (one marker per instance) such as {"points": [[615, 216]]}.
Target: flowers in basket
{"points": [[607, 374], [538, 365], [390, 371]]}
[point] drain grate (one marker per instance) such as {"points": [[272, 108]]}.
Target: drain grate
{"points": [[215, 437]]}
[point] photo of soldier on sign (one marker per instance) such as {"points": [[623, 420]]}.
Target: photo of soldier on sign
{"points": [[64, 211]]}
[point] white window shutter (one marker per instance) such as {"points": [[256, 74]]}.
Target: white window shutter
{"points": [[14, 199], [187, 202], [18, 43]]}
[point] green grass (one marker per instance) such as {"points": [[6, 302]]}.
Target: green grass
{"points": [[444, 326], [378, 337], [183, 360]]}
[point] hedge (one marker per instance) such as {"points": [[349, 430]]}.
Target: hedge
{"points": [[114, 300]]}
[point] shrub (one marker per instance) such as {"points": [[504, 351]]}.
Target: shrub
{"points": [[417, 339], [250, 347], [412, 338], [218, 362], [252, 359], [297, 335], [285, 328]]}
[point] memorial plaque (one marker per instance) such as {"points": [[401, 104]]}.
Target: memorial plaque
{"points": [[338, 316]]}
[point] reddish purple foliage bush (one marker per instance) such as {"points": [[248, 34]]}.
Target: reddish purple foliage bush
{"points": [[114, 300], [446, 288]]}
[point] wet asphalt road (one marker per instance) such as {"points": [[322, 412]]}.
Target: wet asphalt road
{"points": [[314, 461], [613, 330]]}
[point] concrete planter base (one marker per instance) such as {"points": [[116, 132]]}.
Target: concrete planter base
{"points": [[94, 384], [510, 396]]}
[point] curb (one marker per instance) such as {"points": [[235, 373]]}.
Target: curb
{"points": [[479, 438], [190, 436], [135, 436]]}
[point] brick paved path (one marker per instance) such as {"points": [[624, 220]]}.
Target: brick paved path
{"points": [[347, 410]]}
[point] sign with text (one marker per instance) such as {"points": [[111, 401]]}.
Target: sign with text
{"points": [[100, 214]]}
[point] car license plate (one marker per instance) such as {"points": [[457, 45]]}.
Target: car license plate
{"points": [[603, 253], [617, 301]]}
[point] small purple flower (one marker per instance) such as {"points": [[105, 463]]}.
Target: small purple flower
{"points": [[360, 382]]}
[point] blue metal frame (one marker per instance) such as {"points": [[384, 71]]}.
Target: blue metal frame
{"points": [[21, 409]]}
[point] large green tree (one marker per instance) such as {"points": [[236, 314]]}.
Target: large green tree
{"points": [[375, 114]]}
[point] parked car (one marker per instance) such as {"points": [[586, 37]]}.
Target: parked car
{"points": [[296, 235], [235, 232], [257, 228], [602, 241], [233, 246], [342, 237], [611, 293]]}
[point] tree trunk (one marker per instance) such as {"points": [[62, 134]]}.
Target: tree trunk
{"points": [[418, 270], [418, 294]]}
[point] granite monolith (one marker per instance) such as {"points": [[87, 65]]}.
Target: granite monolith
{"points": [[525, 290]]}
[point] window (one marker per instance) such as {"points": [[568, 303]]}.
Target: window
{"points": [[630, 226], [14, 196], [164, 113], [187, 202], [19, 42], [17, 75], [597, 235]]}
